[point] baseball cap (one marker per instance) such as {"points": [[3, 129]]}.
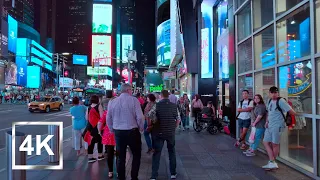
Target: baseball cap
{"points": [[273, 89]]}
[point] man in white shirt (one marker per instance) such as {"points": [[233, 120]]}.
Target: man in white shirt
{"points": [[173, 98], [244, 118]]}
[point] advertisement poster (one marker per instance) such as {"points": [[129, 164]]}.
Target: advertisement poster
{"points": [[206, 42], [305, 37], [163, 44], [4, 39], [65, 82], [106, 84], [11, 74], [101, 50], [118, 48], [22, 62], [80, 59], [127, 44], [33, 80], [102, 18], [12, 33], [99, 71]]}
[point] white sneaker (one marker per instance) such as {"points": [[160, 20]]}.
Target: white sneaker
{"points": [[246, 151], [250, 154], [174, 176], [271, 165]]}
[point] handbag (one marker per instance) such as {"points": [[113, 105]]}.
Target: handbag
{"points": [[252, 135]]}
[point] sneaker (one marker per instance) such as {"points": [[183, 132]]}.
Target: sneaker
{"points": [[271, 165], [92, 160], [250, 154], [152, 178], [237, 144], [174, 176], [247, 151], [101, 158]]}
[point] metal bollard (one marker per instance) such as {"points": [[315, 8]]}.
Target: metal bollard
{"points": [[20, 157], [54, 143]]}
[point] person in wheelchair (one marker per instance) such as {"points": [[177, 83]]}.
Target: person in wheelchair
{"points": [[208, 111]]}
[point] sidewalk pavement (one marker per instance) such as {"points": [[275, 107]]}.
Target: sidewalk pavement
{"points": [[200, 156]]}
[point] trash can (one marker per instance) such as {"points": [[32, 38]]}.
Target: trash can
{"points": [[54, 143], [20, 157]]}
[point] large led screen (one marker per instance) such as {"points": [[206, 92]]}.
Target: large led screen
{"points": [[21, 61], [102, 18], [12, 34], [33, 79], [4, 38], [99, 71], [206, 42], [163, 44], [11, 74], [160, 2], [127, 44], [80, 59], [101, 50]]}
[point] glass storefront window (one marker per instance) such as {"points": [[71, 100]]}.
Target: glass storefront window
{"points": [[239, 2], [245, 56], [262, 13], [296, 144], [264, 51], [244, 23], [295, 85], [245, 83], [317, 24], [318, 85], [293, 35], [263, 81], [283, 5]]}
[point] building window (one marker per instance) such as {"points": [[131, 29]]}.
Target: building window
{"points": [[264, 51], [263, 81], [317, 21], [296, 143], [239, 2], [293, 35], [295, 85], [283, 5], [245, 56], [262, 13], [245, 83], [244, 23], [318, 85]]}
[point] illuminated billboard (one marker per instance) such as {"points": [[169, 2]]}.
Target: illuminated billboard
{"points": [[22, 62], [101, 50], [207, 42], [127, 44], [99, 71], [12, 34], [160, 2], [163, 44], [80, 59], [102, 18], [33, 78], [4, 38]]}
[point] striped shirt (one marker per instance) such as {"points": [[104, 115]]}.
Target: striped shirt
{"points": [[124, 113]]}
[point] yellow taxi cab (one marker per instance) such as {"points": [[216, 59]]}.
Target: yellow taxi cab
{"points": [[46, 104]]}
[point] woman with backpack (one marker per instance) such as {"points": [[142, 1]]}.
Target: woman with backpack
{"points": [[258, 121], [91, 134]]}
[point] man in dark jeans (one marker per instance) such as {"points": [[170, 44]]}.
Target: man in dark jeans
{"points": [[166, 118]]}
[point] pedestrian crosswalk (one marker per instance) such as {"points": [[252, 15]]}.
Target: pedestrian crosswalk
{"points": [[58, 114]]}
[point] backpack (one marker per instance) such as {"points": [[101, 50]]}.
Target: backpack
{"points": [[241, 102], [287, 119]]}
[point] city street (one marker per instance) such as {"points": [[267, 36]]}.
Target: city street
{"points": [[16, 113]]}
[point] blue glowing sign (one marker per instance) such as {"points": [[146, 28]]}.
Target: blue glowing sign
{"points": [[33, 77], [163, 44], [207, 42], [12, 34], [80, 59], [22, 62]]}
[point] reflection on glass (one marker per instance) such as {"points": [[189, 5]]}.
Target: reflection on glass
{"points": [[293, 35], [264, 51], [284, 5], [245, 83], [317, 24], [262, 13], [318, 85], [244, 23], [295, 85], [239, 2], [245, 56], [263, 81], [296, 144]]}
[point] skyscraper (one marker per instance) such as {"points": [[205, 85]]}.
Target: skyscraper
{"points": [[23, 11]]}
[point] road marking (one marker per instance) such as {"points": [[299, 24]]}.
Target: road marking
{"points": [[58, 114], [5, 111]]}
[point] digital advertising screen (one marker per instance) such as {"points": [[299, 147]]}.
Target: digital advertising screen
{"points": [[33, 78], [102, 18], [12, 34], [101, 50], [22, 62], [163, 44], [103, 70], [11, 74], [80, 59], [118, 48], [207, 42], [127, 44], [4, 38], [160, 2]]}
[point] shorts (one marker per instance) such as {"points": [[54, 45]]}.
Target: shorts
{"points": [[273, 135], [244, 123]]}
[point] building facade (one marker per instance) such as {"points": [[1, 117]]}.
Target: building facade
{"points": [[22, 11]]}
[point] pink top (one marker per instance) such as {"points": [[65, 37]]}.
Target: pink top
{"points": [[107, 137]]}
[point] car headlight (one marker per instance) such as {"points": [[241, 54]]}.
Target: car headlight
{"points": [[41, 104]]}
